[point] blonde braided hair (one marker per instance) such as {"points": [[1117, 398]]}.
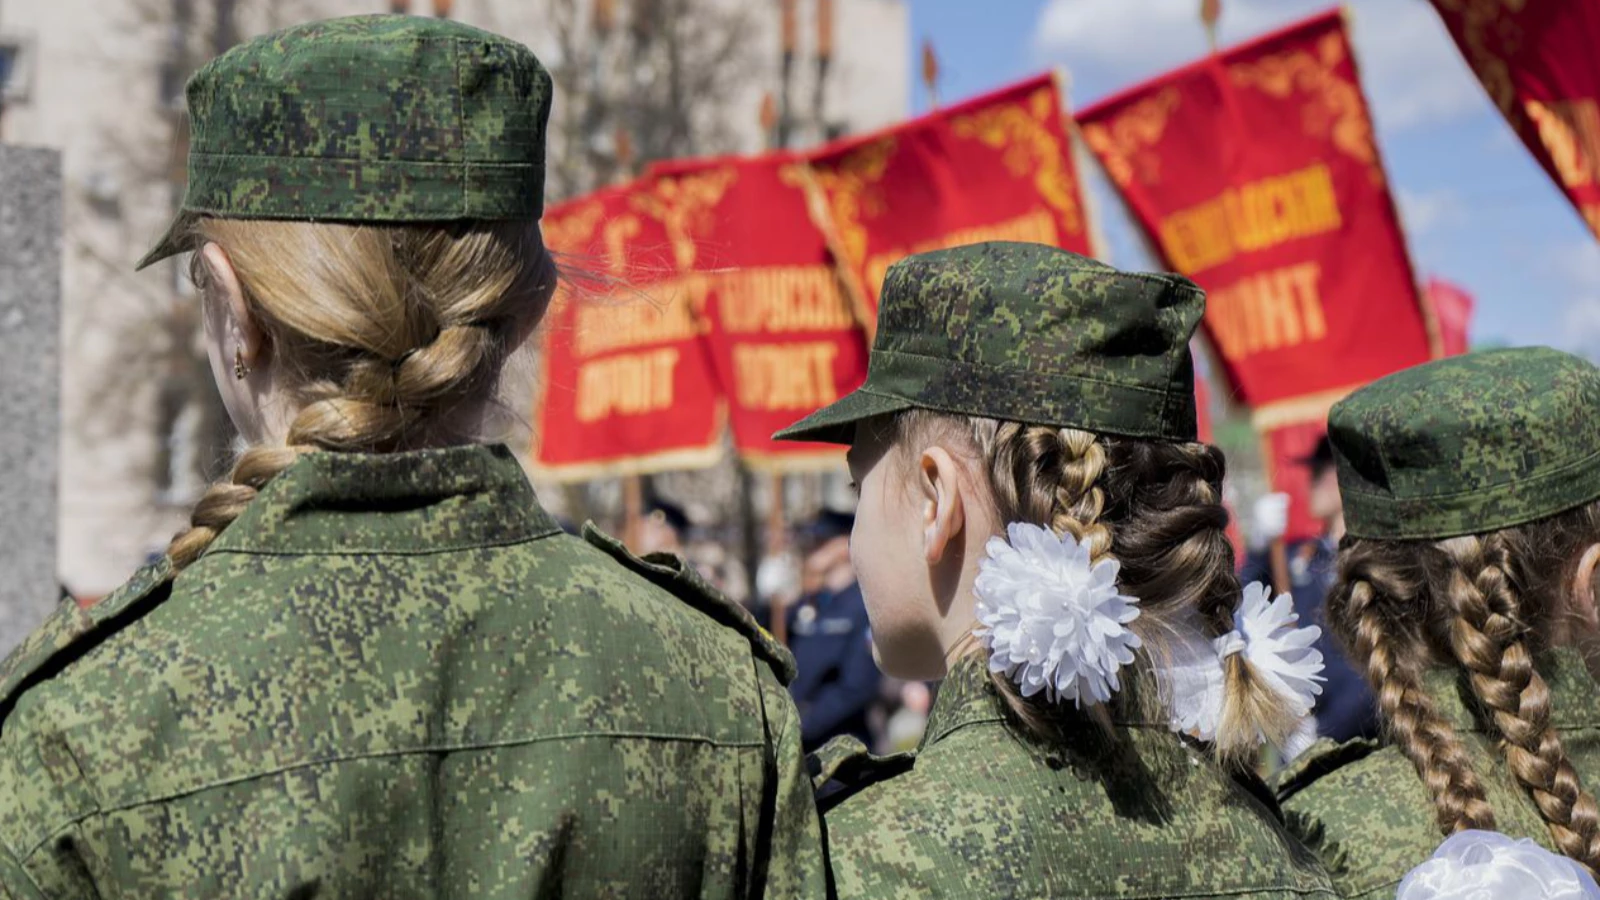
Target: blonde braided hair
{"points": [[1484, 605], [1367, 608], [391, 336]]}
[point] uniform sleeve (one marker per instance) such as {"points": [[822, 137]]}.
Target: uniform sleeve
{"points": [[848, 695], [1257, 567], [796, 867]]}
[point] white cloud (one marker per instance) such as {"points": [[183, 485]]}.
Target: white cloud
{"points": [[1425, 211], [1580, 326], [1411, 70], [1578, 264]]}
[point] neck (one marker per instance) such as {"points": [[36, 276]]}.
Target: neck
{"points": [[1335, 527], [957, 602]]}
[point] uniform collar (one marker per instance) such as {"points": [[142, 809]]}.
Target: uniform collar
{"points": [[965, 698], [425, 501], [1574, 702]]}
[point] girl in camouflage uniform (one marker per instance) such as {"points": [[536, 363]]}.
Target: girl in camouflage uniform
{"points": [[373, 666], [1099, 702], [1466, 590]]}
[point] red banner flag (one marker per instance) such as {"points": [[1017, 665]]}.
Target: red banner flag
{"points": [[1452, 308], [627, 385], [997, 167], [1287, 451], [1538, 63], [1256, 172], [783, 339]]}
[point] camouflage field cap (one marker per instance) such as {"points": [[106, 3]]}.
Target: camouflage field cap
{"points": [[1028, 333], [377, 118], [1469, 444]]}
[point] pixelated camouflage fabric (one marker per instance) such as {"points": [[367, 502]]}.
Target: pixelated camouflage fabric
{"points": [[1365, 811], [1469, 444], [980, 813], [1029, 333], [394, 676], [375, 118]]}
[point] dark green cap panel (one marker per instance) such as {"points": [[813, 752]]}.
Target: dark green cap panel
{"points": [[1469, 445], [1028, 333], [368, 119]]}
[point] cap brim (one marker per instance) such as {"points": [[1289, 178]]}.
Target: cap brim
{"points": [[178, 238], [836, 422]]}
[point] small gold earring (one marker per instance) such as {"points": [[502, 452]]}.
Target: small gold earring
{"points": [[240, 370]]}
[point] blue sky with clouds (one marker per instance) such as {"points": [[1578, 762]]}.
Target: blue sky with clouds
{"points": [[1478, 210]]}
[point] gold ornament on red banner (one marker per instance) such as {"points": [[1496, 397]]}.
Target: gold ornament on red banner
{"points": [[998, 167], [1256, 173], [1537, 61]]}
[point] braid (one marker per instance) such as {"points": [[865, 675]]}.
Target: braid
{"points": [[1373, 606], [410, 330], [1176, 557], [1488, 638], [1079, 498], [1153, 506]]}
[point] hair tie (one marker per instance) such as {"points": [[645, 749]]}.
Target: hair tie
{"points": [[1486, 863], [1265, 634], [1051, 618]]}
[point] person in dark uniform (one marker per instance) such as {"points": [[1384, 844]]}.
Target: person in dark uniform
{"points": [[837, 681], [663, 529], [1346, 709]]}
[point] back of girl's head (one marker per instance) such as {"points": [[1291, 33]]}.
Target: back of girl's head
{"points": [[1153, 506], [1470, 488], [384, 337], [374, 183], [1070, 386]]}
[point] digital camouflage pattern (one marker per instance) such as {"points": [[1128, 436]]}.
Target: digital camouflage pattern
{"points": [[1362, 808], [394, 676], [368, 118], [979, 812], [1027, 333], [1469, 444]]}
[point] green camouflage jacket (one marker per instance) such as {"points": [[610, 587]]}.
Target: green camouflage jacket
{"points": [[976, 812], [1363, 809], [394, 676]]}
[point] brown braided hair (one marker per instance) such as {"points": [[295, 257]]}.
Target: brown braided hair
{"points": [[1154, 506], [1485, 605], [390, 337]]}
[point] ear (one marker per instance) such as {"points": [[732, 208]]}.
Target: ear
{"points": [[1583, 599], [252, 339], [943, 515]]}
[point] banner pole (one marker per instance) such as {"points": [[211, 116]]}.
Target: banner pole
{"points": [[776, 539], [632, 509]]}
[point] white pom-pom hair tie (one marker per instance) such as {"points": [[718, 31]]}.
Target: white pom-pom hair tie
{"points": [[1051, 618], [1054, 621], [1265, 634]]}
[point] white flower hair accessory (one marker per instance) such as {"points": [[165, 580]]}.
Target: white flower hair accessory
{"points": [[1052, 619], [1475, 865], [1276, 649], [1265, 631]]}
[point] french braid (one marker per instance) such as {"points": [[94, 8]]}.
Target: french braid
{"points": [[394, 336]]}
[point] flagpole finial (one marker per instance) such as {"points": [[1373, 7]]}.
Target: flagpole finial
{"points": [[930, 72], [1210, 12], [789, 27], [605, 16]]}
